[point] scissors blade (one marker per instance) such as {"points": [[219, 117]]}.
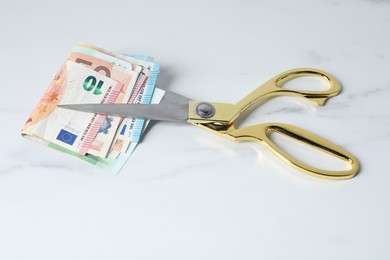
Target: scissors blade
{"points": [[173, 107]]}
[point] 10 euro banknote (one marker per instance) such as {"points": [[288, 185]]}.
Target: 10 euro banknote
{"points": [[93, 75]]}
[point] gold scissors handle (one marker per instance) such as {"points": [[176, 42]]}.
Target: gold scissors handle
{"points": [[222, 122], [261, 133], [273, 88]]}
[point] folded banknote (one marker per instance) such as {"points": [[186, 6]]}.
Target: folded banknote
{"points": [[93, 75]]}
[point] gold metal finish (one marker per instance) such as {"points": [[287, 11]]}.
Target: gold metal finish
{"points": [[261, 133], [222, 122]]}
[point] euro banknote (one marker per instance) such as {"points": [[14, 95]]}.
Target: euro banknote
{"points": [[93, 75], [130, 128], [74, 83], [102, 142]]}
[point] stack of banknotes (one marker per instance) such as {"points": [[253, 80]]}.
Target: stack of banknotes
{"points": [[93, 75]]}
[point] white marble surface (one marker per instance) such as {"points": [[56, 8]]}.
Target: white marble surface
{"points": [[185, 193]]}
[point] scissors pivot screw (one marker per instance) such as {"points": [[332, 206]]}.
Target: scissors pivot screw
{"points": [[205, 110]]}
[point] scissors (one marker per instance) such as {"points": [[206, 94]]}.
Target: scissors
{"points": [[219, 118]]}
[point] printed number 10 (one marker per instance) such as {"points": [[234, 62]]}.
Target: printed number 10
{"points": [[90, 84]]}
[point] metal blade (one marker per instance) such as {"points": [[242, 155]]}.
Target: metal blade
{"points": [[173, 107]]}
